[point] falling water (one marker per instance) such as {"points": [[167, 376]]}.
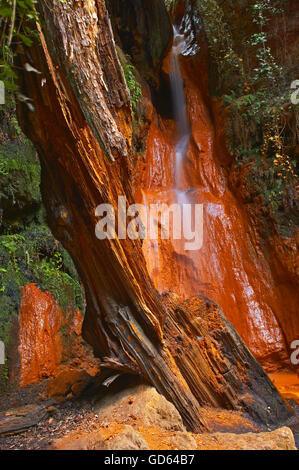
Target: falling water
{"points": [[228, 269], [155, 250], [183, 127], [180, 108]]}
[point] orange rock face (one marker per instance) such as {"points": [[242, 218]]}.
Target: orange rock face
{"points": [[234, 267], [287, 383], [44, 351], [40, 346]]}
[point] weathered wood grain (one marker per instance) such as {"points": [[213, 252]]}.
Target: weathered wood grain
{"points": [[81, 128]]}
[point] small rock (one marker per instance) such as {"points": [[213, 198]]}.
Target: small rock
{"points": [[148, 406], [51, 410], [184, 441], [127, 439], [67, 383], [280, 439]]}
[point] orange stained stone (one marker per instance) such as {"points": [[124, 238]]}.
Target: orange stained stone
{"points": [[40, 347], [231, 268]]}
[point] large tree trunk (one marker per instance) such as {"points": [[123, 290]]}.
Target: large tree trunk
{"points": [[81, 128]]}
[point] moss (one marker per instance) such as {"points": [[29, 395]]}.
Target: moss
{"points": [[19, 183], [28, 251], [19, 171], [34, 256], [254, 84], [130, 73]]}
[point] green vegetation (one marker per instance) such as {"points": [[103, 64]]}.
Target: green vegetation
{"points": [[132, 76], [35, 256], [255, 85], [132, 83], [19, 173], [28, 251], [17, 20], [169, 3]]}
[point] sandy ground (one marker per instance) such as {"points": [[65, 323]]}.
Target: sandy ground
{"points": [[80, 417]]}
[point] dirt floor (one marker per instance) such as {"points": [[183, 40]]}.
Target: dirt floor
{"points": [[78, 417]]}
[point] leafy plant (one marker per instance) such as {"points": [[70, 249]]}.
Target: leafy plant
{"points": [[17, 18], [261, 124], [28, 251], [133, 85], [18, 26]]}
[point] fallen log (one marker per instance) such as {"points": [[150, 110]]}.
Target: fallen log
{"points": [[83, 135]]}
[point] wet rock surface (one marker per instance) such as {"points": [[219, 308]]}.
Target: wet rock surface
{"points": [[40, 345], [51, 344], [126, 319], [250, 276], [143, 28], [237, 269], [287, 383]]}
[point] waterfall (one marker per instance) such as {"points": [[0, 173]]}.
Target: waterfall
{"points": [[180, 109]]}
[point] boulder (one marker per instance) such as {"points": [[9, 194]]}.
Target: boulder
{"points": [[69, 381], [184, 441], [127, 439], [143, 403], [138, 418], [90, 441], [280, 439]]}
